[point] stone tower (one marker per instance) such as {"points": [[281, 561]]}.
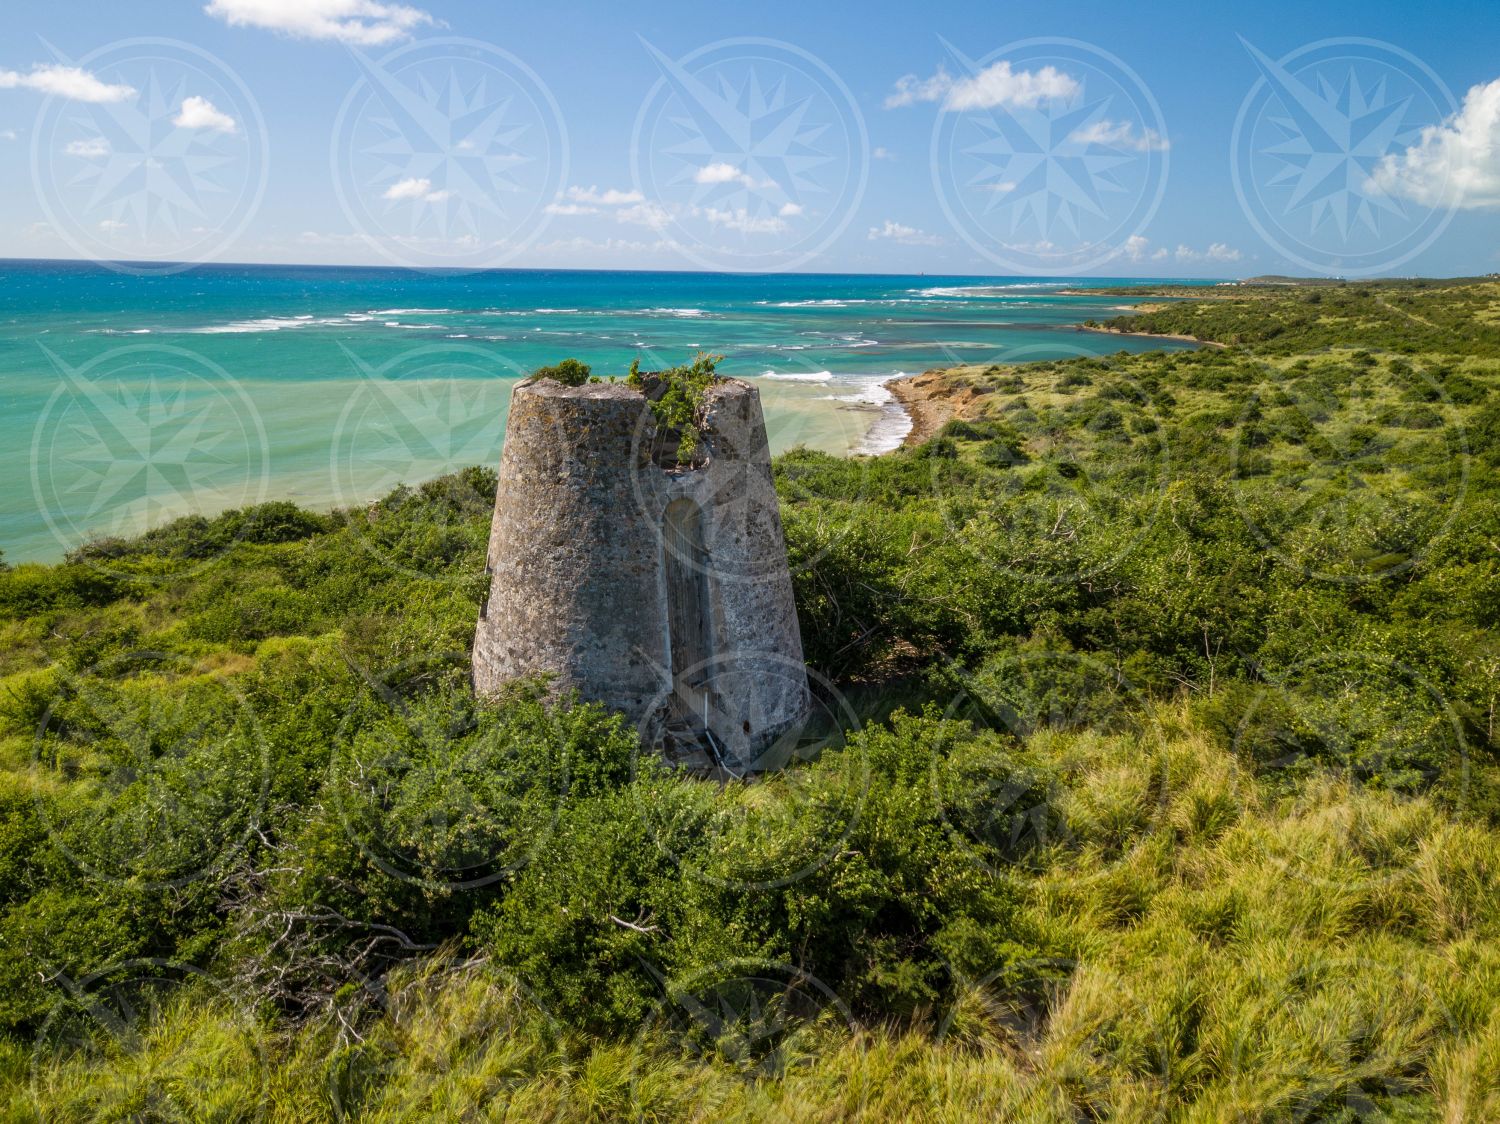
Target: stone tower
{"points": [[659, 590]]}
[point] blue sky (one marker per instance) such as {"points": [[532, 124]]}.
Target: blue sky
{"points": [[1169, 139]]}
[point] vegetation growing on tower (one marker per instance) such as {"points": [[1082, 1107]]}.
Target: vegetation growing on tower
{"points": [[678, 397]]}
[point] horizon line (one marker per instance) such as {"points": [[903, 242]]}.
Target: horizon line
{"points": [[106, 263]]}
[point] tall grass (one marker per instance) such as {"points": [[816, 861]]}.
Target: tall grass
{"points": [[1220, 952]]}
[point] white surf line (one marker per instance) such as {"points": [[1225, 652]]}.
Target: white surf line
{"points": [[890, 429]]}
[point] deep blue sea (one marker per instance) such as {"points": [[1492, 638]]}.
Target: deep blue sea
{"points": [[128, 400]]}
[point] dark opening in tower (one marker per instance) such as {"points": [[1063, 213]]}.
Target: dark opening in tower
{"points": [[689, 614]]}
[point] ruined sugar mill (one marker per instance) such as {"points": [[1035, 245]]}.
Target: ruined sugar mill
{"points": [[646, 568]]}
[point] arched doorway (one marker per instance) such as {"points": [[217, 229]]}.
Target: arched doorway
{"points": [[689, 610]]}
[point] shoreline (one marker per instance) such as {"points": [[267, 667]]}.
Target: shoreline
{"points": [[1100, 328], [927, 401], [931, 403]]}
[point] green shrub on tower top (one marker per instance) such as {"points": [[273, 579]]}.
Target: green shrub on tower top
{"points": [[678, 398]]}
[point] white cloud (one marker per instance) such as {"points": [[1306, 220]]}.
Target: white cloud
{"points": [[906, 235], [721, 173], [316, 238], [200, 113], [415, 190], [883, 153], [94, 148], [645, 214], [995, 85], [1454, 164], [8, 135], [109, 226], [589, 200], [1137, 248], [658, 215], [743, 221], [608, 246], [1120, 134], [364, 23], [1217, 251], [608, 198], [66, 82]]}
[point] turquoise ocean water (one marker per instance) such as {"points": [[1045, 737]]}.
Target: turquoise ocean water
{"points": [[127, 400]]}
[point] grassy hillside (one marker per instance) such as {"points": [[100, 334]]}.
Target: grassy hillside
{"points": [[1167, 787], [1430, 317]]}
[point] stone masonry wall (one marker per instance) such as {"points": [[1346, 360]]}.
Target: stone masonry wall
{"points": [[579, 563]]}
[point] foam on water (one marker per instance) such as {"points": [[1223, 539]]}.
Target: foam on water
{"points": [[266, 362]]}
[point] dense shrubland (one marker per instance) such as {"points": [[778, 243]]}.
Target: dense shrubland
{"points": [[1164, 787], [1420, 317]]}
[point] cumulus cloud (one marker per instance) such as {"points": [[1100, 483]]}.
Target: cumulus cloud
{"points": [[645, 214], [200, 113], [721, 173], [363, 23], [883, 153], [66, 82], [1137, 248], [632, 205], [8, 134], [415, 191], [94, 148], [318, 238], [658, 215], [906, 235], [1217, 252], [607, 246], [995, 86], [1456, 163], [743, 221], [1120, 134], [610, 197]]}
